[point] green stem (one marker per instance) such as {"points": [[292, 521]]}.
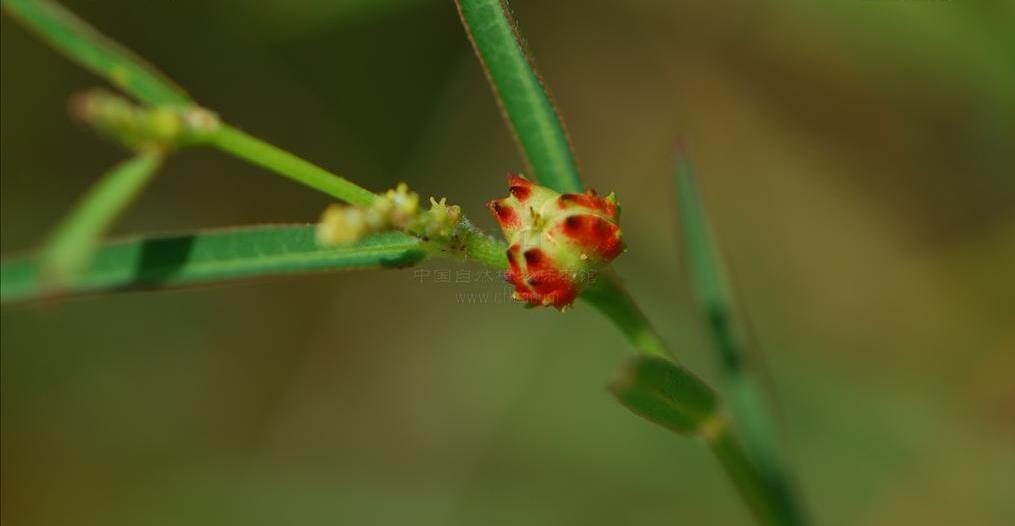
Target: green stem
{"points": [[77, 237], [530, 113], [524, 99], [256, 151], [608, 295], [482, 248], [471, 244], [749, 405], [750, 484]]}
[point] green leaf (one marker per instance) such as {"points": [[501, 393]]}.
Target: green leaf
{"points": [[77, 237], [83, 44], [666, 394], [671, 396], [705, 265], [523, 97], [213, 255]]}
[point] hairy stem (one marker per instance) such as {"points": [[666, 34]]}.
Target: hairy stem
{"points": [[256, 151]]}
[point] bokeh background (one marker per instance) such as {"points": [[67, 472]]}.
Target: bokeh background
{"points": [[856, 158]]}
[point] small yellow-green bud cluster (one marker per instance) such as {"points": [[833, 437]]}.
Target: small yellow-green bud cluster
{"points": [[397, 209], [140, 127]]}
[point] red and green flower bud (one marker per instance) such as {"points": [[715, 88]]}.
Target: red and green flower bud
{"points": [[557, 242]]}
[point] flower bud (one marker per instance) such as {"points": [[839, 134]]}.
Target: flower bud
{"points": [[143, 127], [440, 221], [396, 209], [557, 242], [340, 224]]}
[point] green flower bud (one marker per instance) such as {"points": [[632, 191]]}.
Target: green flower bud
{"points": [[140, 127], [396, 209]]}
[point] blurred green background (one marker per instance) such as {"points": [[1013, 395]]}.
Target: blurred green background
{"points": [[856, 158]]}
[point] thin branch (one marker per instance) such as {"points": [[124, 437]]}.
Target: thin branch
{"points": [[256, 151]]}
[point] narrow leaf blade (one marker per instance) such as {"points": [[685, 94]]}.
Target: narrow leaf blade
{"points": [[77, 237], [666, 394], [213, 256], [92, 50], [750, 407], [523, 97]]}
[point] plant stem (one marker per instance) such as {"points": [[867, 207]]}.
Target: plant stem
{"points": [[749, 405], [528, 109], [608, 296], [529, 112], [77, 236], [482, 248], [750, 484], [256, 151], [521, 94], [81, 43], [474, 244]]}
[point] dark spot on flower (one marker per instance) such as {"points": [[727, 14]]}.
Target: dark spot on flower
{"points": [[533, 256], [505, 215], [521, 193], [572, 223]]}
